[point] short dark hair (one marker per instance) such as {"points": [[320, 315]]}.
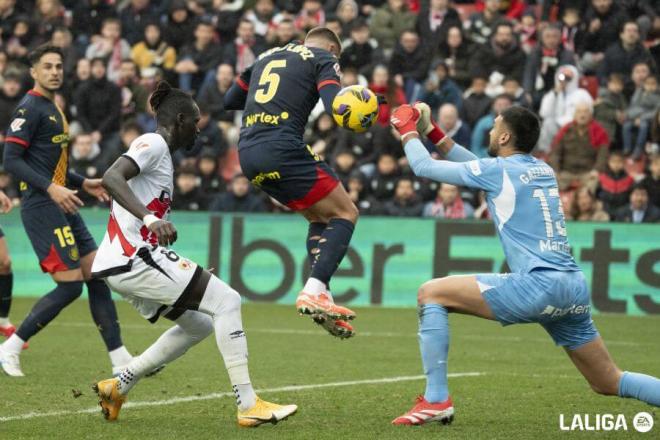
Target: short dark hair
{"points": [[525, 127], [639, 186], [167, 102], [325, 34], [35, 56]]}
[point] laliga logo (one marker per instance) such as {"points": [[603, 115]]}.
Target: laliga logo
{"points": [[642, 422]]}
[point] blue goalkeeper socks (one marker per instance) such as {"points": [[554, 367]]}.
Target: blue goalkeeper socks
{"points": [[434, 345], [641, 387]]}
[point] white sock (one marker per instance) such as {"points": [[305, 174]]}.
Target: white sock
{"points": [[192, 327], [14, 344], [223, 304], [4, 322], [314, 287], [120, 357]]}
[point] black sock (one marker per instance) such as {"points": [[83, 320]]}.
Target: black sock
{"points": [[332, 248], [48, 307], [6, 284], [104, 313], [313, 236]]}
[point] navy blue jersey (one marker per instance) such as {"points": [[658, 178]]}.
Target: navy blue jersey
{"points": [[282, 88], [39, 126]]}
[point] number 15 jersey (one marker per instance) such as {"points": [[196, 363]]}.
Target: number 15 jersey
{"points": [[282, 87], [523, 199]]}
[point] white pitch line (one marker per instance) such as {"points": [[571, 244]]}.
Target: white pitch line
{"points": [[176, 400], [292, 331]]}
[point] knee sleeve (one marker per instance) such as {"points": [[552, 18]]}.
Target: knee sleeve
{"points": [[197, 325], [219, 298]]}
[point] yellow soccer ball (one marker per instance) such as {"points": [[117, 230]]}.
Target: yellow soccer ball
{"points": [[355, 108]]}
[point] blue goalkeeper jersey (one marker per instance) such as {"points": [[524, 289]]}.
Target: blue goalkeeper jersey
{"points": [[523, 199]]}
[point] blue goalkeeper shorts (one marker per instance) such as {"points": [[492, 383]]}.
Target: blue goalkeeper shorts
{"points": [[557, 300]]}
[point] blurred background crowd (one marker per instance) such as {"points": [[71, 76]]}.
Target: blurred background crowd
{"points": [[588, 67]]}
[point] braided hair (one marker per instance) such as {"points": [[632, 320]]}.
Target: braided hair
{"points": [[167, 101]]}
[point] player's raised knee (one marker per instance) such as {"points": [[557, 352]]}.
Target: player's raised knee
{"points": [[426, 293], [5, 265]]}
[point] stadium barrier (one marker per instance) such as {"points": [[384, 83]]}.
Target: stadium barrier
{"points": [[263, 257]]}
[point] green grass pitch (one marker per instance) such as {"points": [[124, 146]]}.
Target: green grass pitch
{"points": [[524, 381]]}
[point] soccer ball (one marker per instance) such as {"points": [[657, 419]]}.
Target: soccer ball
{"points": [[355, 108]]}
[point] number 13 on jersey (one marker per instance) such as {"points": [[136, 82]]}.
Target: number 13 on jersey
{"points": [[269, 81]]}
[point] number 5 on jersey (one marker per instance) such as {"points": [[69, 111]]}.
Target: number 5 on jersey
{"points": [[269, 81]]}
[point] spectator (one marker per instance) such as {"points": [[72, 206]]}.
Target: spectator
{"points": [[585, 207], [333, 23], [433, 22], [621, 56], [611, 105], [153, 53], [207, 167], [238, 198], [527, 31], [542, 64], [481, 133], [639, 210], [285, 33], [8, 15], [383, 84], [476, 103], [135, 17], [347, 12], [247, 46], [128, 133], [655, 135], [358, 194], [579, 151], [180, 25], [212, 95], [511, 87], [558, 105], [188, 195], [63, 39], [439, 89], [381, 184], [614, 184], [261, 17], [10, 96], [604, 19], [134, 95], [409, 64], [210, 137], [360, 52], [455, 50], [652, 181], [452, 125], [570, 29], [21, 41], [198, 58], [110, 46], [448, 204], [344, 164], [310, 16], [223, 15], [502, 55], [86, 160], [88, 17], [405, 202], [389, 21], [48, 16], [98, 103], [639, 117], [321, 136], [479, 27]]}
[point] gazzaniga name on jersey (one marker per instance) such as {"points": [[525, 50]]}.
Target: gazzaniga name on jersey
{"points": [[301, 50], [536, 172]]}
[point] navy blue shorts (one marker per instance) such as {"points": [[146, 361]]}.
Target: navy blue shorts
{"points": [[58, 239], [291, 174], [557, 300]]}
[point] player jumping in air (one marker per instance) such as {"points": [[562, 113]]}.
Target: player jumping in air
{"points": [[6, 276], [546, 285], [135, 261], [277, 94], [37, 153]]}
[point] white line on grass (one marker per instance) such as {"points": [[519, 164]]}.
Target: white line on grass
{"points": [[293, 331], [176, 400]]}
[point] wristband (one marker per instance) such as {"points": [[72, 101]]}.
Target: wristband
{"points": [[436, 134], [149, 219]]}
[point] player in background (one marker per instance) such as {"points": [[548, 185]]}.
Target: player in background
{"points": [[277, 94], [545, 285], [6, 276], [136, 262], [37, 153]]}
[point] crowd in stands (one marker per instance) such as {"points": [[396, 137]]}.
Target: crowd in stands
{"points": [[588, 67]]}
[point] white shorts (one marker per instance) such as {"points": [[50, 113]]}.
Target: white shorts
{"points": [[157, 279]]}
